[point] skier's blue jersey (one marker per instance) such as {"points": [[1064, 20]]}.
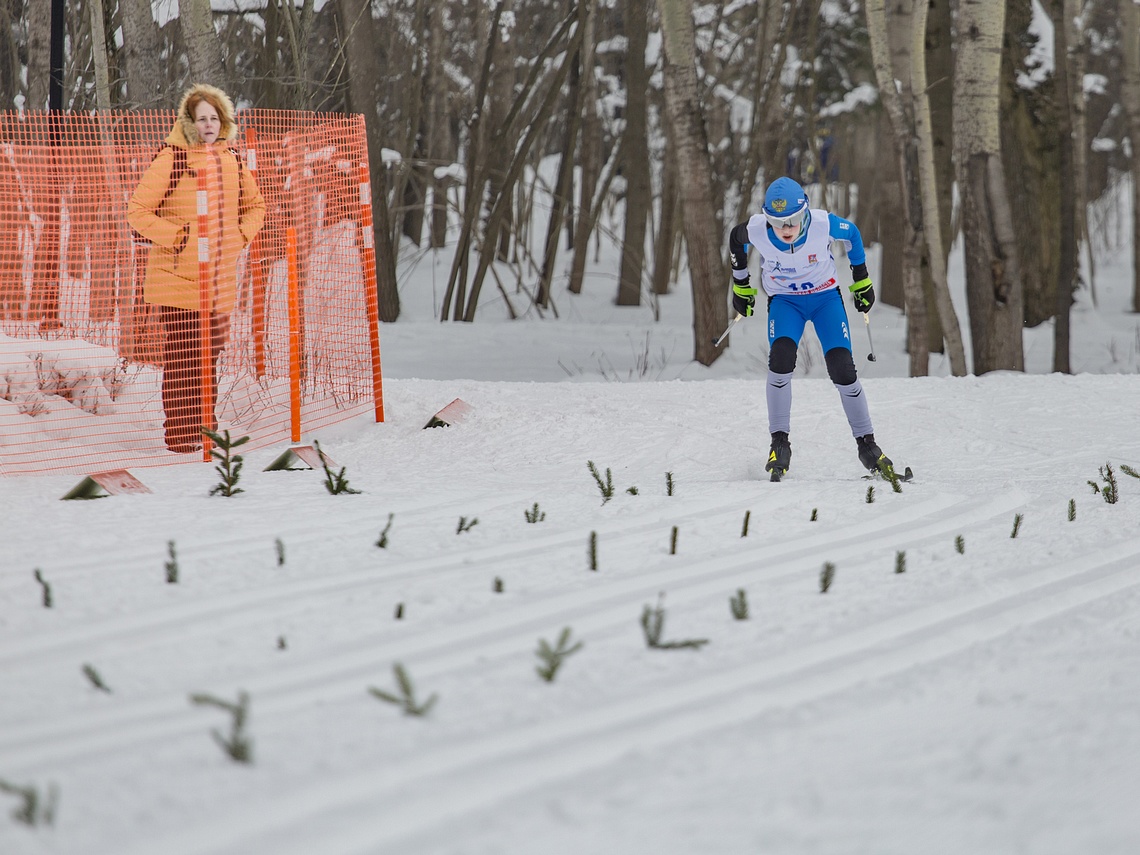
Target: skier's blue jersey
{"points": [[805, 266]]}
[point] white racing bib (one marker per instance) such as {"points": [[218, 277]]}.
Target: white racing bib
{"points": [[808, 269]]}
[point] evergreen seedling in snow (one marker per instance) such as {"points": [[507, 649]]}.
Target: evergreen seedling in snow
{"points": [[1128, 470], [1108, 491], [1016, 525], [31, 812], [281, 642], [171, 565], [744, 530], [900, 562], [960, 544], [45, 586], [814, 514], [553, 657], [382, 541], [229, 464], [892, 476], [407, 696], [631, 490], [668, 483], [826, 577], [739, 604], [534, 515], [593, 550], [91, 674], [607, 486], [871, 495], [673, 542], [1072, 509], [464, 525], [237, 746], [497, 585], [335, 484], [653, 625], [279, 546], [399, 611]]}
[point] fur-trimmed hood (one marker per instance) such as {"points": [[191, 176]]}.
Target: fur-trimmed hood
{"points": [[184, 124]]}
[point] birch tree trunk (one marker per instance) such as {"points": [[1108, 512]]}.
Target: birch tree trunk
{"points": [[146, 80], [39, 58], [99, 55], [1130, 95], [906, 158], [993, 275], [203, 47], [1069, 197], [698, 212], [930, 194], [589, 148]]}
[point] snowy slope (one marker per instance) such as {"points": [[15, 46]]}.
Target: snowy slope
{"points": [[979, 702]]}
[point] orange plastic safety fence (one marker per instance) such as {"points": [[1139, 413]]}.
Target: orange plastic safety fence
{"points": [[82, 351]]}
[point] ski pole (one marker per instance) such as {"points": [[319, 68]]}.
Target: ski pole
{"points": [[867, 323], [727, 330]]}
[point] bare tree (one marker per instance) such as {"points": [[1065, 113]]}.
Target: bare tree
{"points": [[993, 275], [698, 214], [203, 47], [39, 47], [363, 72], [1071, 191], [635, 153], [1130, 54], [142, 52]]}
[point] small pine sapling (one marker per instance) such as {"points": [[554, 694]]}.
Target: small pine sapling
{"points": [[871, 495], [534, 515], [744, 529], [653, 625], [593, 551], [606, 487], [281, 644], [237, 746], [171, 565], [407, 697], [1017, 518], [631, 490], [1128, 470], [229, 464], [814, 514], [97, 681], [826, 577], [497, 585], [738, 604], [279, 546], [668, 483], [382, 541], [960, 544], [553, 657], [32, 810], [399, 611], [1072, 509], [673, 542], [1108, 491], [47, 600], [335, 484], [900, 562], [464, 525], [892, 476]]}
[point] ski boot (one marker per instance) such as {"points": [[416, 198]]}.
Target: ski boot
{"points": [[780, 456], [872, 457]]}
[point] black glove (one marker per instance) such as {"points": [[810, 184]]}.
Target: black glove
{"points": [[743, 297], [863, 295]]}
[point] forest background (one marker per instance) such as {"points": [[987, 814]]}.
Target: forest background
{"points": [[993, 123]]}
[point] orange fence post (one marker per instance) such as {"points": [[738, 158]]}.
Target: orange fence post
{"points": [[294, 336], [257, 298], [205, 327], [372, 301]]}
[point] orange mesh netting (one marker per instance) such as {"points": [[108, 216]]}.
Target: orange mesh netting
{"points": [[81, 353]]}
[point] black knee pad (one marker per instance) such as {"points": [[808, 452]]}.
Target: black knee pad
{"points": [[782, 356], [840, 366]]}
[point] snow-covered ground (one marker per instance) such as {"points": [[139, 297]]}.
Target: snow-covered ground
{"points": [[982, 701]]}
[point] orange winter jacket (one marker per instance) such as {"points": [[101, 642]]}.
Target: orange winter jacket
{"points": [[167, 216]]}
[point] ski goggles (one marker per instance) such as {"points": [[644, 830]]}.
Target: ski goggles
{"points": [[790, 221]]}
